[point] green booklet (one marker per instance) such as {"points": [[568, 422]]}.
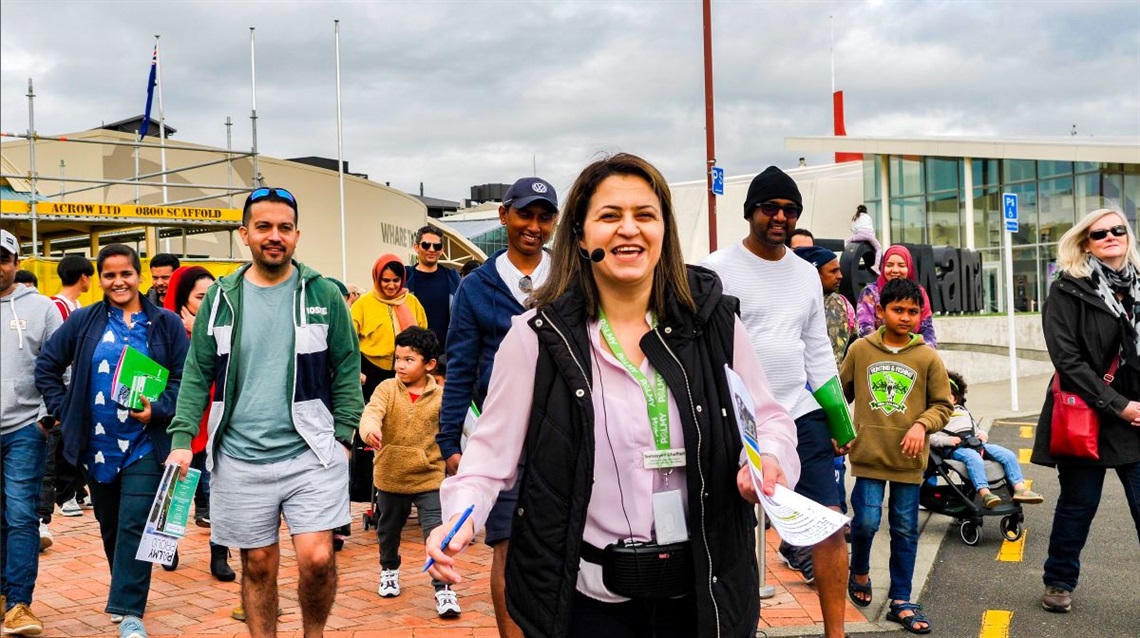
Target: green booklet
{"points": [[137, 375], [834, 404]]}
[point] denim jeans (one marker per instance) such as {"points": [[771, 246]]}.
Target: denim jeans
{"points": [[1076, 506], [976, 467], [867, 507], [121, 507], [22, 455]]}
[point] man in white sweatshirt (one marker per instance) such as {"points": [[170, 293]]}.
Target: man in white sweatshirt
{"points": [[781, 304], [27, 320]]}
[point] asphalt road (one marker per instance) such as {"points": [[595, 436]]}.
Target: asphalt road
{"points": [[969, 581]]}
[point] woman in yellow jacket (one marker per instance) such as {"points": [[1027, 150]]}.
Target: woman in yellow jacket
{"points": [[379, 316]]}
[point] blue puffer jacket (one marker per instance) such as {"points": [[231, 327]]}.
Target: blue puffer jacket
{"points": [[74, 344], [480, 318]]}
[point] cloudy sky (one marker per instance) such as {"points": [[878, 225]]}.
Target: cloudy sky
{"points": [[469, 92]]}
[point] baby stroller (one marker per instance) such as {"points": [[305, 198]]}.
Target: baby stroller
{"points": [[952, 493]]}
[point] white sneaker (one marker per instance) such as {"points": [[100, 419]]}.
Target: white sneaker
{"points": [[46, 540], [71, 508], [447, 603], [116, 618], [389, 583]]}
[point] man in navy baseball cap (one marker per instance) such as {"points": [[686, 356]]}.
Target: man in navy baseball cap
{"points": [[529, 190]]}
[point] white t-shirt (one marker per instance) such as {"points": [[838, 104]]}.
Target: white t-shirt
{"points": [[781, 305], [513, 276]]}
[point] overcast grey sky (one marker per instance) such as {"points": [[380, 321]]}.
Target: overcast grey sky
{"points": [[468, 92]]}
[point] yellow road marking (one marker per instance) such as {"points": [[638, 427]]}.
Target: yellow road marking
{"points": [[1013, 552], [1023, 455], [995, 623], [1004, 422], [1027, 431]]}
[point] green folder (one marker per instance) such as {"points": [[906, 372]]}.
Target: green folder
{"points": [[137, 375], [834, 404]]}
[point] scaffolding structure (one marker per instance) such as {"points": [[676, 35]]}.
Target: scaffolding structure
{"points": [[44, 219]]}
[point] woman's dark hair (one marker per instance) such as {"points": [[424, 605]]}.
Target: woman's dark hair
{"points": [[397, 268], [899, 290], [468, 268], [859, 210], [190, 276], [957, 385], [72, 268], [571, 270], [118, 250], [422, 340]]}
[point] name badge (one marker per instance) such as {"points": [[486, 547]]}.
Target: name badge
{"points": [[18, 324], [669, 518], [659, 459]]}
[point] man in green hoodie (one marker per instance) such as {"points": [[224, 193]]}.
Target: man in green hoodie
{"points": [[902, 395], [282, 414]]}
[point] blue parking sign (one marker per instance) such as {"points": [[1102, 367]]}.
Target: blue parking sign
{"points": [[717, 180], [1009, 208]]}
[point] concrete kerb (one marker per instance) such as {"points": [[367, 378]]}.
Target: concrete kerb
{"points": [[987, 402]]}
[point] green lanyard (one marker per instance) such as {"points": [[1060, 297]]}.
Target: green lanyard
{"points": [[656, 395]]}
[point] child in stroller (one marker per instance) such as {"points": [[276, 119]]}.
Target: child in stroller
{"points": [[972, 470]]}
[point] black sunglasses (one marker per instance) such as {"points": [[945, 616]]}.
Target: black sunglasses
{"points": [[1117, 231], [262, 193], [431, 245], [771, 208]]}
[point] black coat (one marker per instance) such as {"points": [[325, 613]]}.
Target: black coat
{"points": [[1083, 337], [690, 350]]}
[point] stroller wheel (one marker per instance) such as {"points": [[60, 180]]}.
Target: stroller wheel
{"points": [[1011, 528], [970, 532]]}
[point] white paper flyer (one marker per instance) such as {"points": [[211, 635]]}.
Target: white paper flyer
{"points": [[798, 520], [168, 515]]}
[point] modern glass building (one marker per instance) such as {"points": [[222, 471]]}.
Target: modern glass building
{"points": [[948, 191]]}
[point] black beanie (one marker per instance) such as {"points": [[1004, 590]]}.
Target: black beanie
{"points": [[817, 256], [773, 183]]}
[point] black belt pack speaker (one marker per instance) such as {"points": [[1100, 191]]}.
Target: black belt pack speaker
{"points": [[648, 570]]}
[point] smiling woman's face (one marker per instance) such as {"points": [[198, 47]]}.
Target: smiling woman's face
{"points": [[119, 280], [625, 220]]}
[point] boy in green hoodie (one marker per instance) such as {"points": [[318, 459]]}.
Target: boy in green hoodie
{"points": [[901, 394]]}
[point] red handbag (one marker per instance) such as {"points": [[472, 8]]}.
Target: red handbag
{"points": [[1075, 425]]}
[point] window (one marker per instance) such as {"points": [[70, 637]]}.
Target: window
{"points": [[1087, 193], [943, 220], [872, 175], [1026, 212], [1131, 198], [906, 176], [988, 223], [941, 174], [1053, 169], [908, 220], [1018, 170], [985, 172], [1055, 210]]}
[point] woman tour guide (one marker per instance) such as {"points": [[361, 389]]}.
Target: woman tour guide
{"points": [[629, 436], [1090, 319]]}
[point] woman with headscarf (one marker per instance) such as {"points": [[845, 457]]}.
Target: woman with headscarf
{"points": [[896, 264], [185, 292], [379, 316], [1091, 321]]}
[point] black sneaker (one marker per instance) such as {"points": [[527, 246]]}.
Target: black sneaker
{"points": [[798, 559]]}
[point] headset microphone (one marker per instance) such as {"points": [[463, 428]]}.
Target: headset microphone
{"points": [[597, 255]]}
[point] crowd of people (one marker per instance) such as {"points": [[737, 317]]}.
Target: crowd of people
{"points": [[567, 397]]}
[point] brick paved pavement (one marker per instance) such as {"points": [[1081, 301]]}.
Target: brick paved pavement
{"points": [[72, 590]]}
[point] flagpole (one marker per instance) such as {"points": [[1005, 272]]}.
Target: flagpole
{"points": [[161, 117], [257, 181], [340, 158]]}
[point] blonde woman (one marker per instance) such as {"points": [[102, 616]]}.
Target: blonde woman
{"points": [[1091, 320]]}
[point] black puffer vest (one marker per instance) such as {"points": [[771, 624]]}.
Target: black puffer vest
{"points": [[690, 350]]}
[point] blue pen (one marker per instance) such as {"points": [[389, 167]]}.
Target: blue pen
{"points": [[450, 535]]}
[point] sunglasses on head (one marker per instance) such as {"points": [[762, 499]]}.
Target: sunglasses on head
{"points": [[1116, 231], [262, 193], [771, 208], [431, 245]]}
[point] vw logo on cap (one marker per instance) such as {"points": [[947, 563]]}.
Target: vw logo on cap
{"points": [[538, 187]]}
